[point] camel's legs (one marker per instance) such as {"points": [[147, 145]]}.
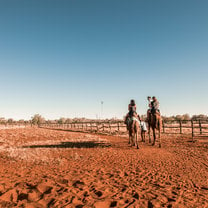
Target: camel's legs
{"points": [[137, 139], [127, 127], [143, 136], [132, 140], [159, 135], [154, 135], [129, 139], [149, 133], [133, 133], [159, 139]]}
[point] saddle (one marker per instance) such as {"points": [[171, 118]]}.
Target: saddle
{"points": [[152, 115], [131, 119]]}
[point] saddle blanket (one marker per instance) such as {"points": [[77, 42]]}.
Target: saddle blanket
{"points": [[135, 119]]}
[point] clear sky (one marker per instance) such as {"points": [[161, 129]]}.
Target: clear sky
{"points": [[61, 58]]}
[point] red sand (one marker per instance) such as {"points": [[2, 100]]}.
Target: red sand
{"points": [[48, 172]]}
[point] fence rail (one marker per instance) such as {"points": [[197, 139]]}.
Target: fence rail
{"points": [[117, 127], [13, 125], [192, 127]]}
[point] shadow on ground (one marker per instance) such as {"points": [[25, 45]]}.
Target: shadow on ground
{"points": [[90, 144]]}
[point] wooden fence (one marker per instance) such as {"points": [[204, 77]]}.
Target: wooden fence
{"points": [[13, 125], [116, 127], [192, 127]]}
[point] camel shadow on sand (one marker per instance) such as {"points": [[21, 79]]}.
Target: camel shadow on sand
{"points": [[88, 144]]}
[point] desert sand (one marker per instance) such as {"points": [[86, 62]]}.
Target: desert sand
{"points": [[50, 168]]}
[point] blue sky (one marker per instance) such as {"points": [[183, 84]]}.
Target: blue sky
{"points": [[61, 58]]}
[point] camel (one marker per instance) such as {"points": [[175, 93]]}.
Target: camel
{"points": [[154, 122], [133, 128]]}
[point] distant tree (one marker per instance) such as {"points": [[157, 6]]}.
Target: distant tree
{"points": [[171, 118], [199, 117], [186, 117], [10, 121], [68, 120], [37, 119], [3, 120], [75, 120], [61, 120], [178, 117], [51, 121]]}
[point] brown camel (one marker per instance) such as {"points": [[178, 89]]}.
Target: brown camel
{"points": [[133, 128], [154, 122]]}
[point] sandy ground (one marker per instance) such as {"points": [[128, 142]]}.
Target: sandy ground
{"points": [[49, 168]]}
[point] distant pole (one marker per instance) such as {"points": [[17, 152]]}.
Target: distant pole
{"points": [[102, 109]]}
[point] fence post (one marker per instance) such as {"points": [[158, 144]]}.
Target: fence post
{"points": [[103, 127], [118, 127], [163, 125], [200, 126], [192, 127], [109, 127], [180, 122]]}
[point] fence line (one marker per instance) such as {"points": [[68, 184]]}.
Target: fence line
{"points": [[13, 125], [192, 127], [115, 127]]}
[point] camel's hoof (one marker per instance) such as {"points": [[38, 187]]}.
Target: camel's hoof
{"points": [[137, 147], [160, 146], [153, 144]]}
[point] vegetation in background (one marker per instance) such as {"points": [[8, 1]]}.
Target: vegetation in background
{"points": [[37, 119]]}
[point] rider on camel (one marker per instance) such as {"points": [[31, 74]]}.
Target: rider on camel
{"points": [[132, 111], [155, 105], [132, 108], [149, 107]]}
